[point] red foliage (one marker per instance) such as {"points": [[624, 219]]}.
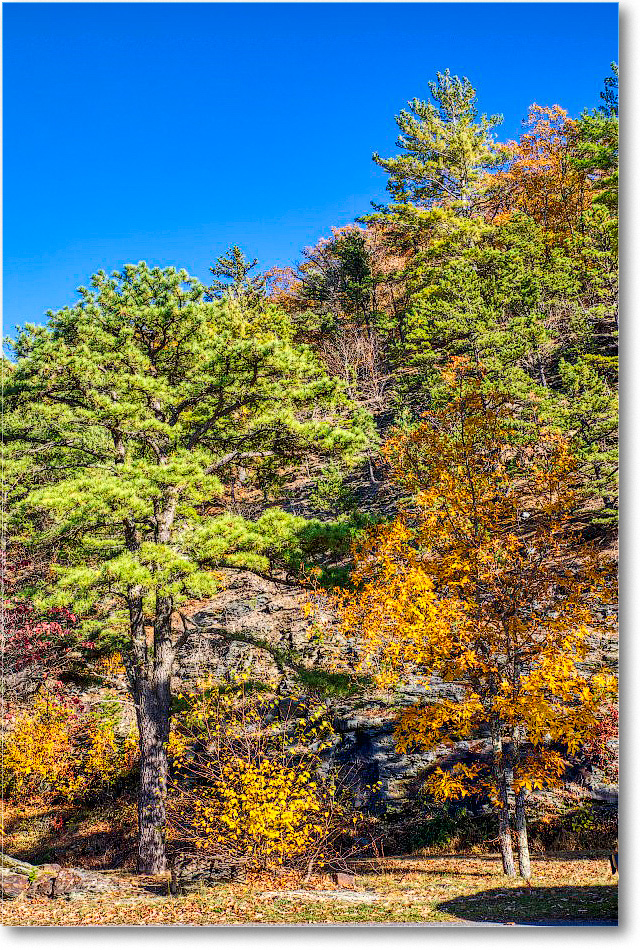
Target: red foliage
{"points": [[31, 638], [602, 748]]}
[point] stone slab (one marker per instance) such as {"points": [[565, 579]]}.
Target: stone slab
{"points": [[352, 897]]}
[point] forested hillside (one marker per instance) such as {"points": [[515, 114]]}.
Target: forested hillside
{"points": [[300, 559]]}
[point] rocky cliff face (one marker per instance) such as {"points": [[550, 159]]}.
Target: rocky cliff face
{"points": [[257, 627]]}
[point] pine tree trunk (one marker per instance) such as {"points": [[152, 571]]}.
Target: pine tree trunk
{"points": [[523, 853], [150, 687], [149, 671], [153, 710]]}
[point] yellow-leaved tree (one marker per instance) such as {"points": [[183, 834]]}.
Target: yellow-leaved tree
{"points": [[483, 580]]}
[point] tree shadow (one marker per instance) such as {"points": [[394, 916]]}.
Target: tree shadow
{"points": [[93, 850], [537, 904]]}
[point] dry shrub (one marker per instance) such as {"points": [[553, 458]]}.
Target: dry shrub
{"points": [[355, 354]]}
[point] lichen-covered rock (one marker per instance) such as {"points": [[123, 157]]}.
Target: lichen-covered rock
{"points": [[344, 879], [190, 870], [50, 880], [13, 885], [42, 886], [64, 883]]}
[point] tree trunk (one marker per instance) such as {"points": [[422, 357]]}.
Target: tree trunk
{"points": [[153, 711], [149, 672], [502, 785], [505, 842], [523, 853]]}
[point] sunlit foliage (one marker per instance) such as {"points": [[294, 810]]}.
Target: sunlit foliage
{"points": [[249, 781], [56, 749], [482, 580]]}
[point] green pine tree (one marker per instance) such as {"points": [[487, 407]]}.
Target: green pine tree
{"points": [[234, 279], [540, 318], [125, 418], [599, 144], [446, 146]]}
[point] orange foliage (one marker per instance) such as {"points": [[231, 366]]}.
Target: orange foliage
{"points": [[542, 179], [483, 581], [281, 287]]}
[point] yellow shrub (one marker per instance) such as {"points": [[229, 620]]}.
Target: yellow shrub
{"points": [[52, 750], [112, 665], [267, 811], [248, 784]]}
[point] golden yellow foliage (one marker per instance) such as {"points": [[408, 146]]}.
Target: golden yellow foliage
{"points": [[111, 665], [484, 581], [248, 780], [54, 751]]}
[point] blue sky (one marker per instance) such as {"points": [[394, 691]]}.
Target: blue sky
{"points": [[166, 132]]}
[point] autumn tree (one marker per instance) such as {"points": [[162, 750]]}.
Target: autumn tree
{"points": [[543, 178], [38, 646], [127, 416], [482, 581], [60, 749]]}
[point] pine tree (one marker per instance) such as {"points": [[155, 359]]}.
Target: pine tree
{"points": [[597, 149], [126, 417], [336, 277], [232, 272], [446, 148], [540, 316]]}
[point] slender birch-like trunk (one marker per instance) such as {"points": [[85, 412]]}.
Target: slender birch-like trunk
{"points": [[523, 853], [501, 779]]}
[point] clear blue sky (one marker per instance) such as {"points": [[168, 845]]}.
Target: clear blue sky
{"points": [[166, 132]]}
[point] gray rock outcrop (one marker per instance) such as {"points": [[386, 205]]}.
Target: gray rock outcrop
{"points": [[18, 879], [257, 627]]}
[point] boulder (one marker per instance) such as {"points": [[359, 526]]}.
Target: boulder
{"points": [[50, 880], [66, 882], [190, 870], [13, 885], [42, 886], [344, 879]]}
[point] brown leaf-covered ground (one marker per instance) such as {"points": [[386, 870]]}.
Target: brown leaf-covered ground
{"points": [[454, 889]]}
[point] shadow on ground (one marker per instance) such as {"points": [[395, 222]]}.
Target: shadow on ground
{"points": [[536, 904], [35, 839]]}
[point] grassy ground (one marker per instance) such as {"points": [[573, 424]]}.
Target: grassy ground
{"points": [[455, 889]]}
